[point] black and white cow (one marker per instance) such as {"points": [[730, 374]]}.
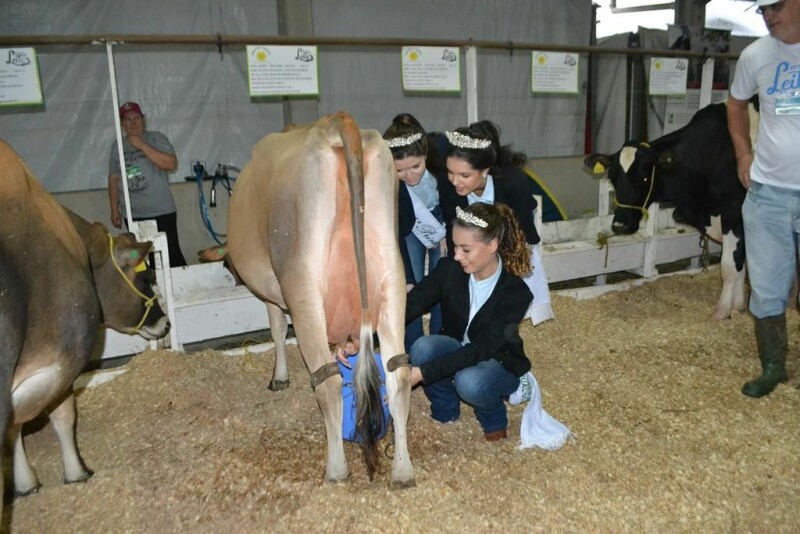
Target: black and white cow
{"points": [[694, 168]]}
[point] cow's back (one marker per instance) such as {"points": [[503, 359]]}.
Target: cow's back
{"points": [[702, 180], [290, 229], [50, 262]]}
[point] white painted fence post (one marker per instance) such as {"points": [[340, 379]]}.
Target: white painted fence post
{"points": [[603, 208], [472, 84], [148, 231], [651, 230]]}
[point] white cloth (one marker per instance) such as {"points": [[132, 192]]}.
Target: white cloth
{"points": [[428, 230], [538, 428], [540, 309]]}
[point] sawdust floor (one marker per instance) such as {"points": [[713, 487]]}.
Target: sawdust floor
{"points": [[664, 440]]}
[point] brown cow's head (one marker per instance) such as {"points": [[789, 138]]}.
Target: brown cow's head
{"points": [[630, 171], [124, 283]]}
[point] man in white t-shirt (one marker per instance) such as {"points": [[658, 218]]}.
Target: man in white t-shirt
{"points": [[770, 68]]}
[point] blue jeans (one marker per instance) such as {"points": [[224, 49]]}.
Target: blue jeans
{"points": [[771, 227], [417, 253], [483, 386]]}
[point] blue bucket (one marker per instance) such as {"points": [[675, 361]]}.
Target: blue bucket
{"points": [[349, 398]]}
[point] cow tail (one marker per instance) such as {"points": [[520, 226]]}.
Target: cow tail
{"points": [[366, 380], [369, 413]]}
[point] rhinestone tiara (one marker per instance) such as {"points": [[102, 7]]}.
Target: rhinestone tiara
{"points": [[398, 142], [470, 218], [465, 141]]}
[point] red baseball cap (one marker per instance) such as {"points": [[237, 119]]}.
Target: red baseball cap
{"points": [[129, 107]]}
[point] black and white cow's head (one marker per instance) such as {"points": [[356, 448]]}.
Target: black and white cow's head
{"points": [[636, 185]]}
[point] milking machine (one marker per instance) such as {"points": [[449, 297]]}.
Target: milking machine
{"points": [[222, 177]]}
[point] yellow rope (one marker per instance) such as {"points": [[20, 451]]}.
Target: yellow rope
{"points": [[643, 207], [148, 301], [602, 240]]}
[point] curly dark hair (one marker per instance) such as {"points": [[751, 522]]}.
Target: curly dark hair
{"points": [[501, 224]]}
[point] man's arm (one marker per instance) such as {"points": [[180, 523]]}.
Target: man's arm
{"points": [[739, 128], [162, 160], [113, 200]]}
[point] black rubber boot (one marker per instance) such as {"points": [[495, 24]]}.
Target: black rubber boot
{"points": [[772, 343]]}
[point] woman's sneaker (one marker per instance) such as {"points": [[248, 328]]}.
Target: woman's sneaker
{"points": [[523, 393]]}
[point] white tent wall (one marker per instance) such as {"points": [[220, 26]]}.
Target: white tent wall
{"points": [[610, 92], [368, 82], [198, 96], [194, 95]]}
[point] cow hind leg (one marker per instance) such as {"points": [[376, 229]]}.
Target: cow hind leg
{"points": [[329, 397], [63, 419], [25, 480], [278, 329], [398, 386], [732, 295]]}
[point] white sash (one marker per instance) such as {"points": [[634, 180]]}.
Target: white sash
{"points": [[427, 229]]}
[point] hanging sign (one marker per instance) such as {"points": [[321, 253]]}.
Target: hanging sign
{"points": [[554, 72], [283, 70], [19, 77], [668, 76], [431, 69]]}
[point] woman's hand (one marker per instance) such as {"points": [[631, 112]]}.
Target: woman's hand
{"points": [[341, 353], [743, 165], [416, 376]]}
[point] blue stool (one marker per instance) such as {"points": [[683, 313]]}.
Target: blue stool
{"points": [[349, 398]]}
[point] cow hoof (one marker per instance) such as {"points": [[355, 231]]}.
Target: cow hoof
{"points": [[337, 480], [277, 385], [81, 479], [403, 484], [720, 316], [25, 493]]}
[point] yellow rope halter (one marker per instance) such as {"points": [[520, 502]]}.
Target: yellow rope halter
{"points": [[148, 301], [643, 207]]}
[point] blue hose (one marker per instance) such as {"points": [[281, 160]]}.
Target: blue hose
{"points": [[225, 181]]}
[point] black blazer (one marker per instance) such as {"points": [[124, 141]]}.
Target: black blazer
{"points": [[406, 220], [513, 188], [494, 331], [405, 224]]}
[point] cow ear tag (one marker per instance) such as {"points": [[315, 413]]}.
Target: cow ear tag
{"points": [[598, 168], [141, 266]]}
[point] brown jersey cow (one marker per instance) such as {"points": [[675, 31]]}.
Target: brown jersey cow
{"points": [[61, 279], [312, 231]]}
